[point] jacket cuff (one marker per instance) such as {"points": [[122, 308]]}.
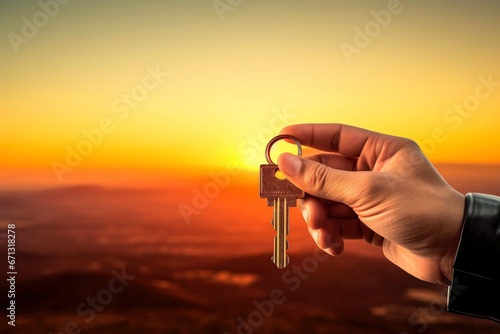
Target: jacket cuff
{"points": [[474, 288]]}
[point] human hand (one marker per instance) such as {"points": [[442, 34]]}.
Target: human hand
{"points": [[379, 188]]}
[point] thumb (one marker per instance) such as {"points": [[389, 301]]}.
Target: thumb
{"points": [[318, 179]]}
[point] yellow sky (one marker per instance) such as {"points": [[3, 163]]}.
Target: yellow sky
{"points": [[232, 83]]}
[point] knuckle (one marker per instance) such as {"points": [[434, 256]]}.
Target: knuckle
{"points": [[409, 144], [414, 155], [317, 177]]}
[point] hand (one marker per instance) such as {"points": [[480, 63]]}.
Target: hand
{"points": [[379, 188]]}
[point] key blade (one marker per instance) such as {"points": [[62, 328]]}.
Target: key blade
{"points": [[281, 194], [280, 258]]}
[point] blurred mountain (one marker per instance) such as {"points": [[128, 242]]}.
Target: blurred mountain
{"points": [[64, 292], [318, 295], [208, 274]]}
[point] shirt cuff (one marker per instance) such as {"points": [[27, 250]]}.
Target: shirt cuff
{"points": [[474, 288]]}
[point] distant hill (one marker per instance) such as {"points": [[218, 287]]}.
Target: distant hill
{"points": [[348, 294], [64, 292]]}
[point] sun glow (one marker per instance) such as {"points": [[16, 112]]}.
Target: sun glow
{"points": [[169, 86]]}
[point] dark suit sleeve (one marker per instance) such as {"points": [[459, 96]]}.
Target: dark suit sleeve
{"points": [[475, 286]]}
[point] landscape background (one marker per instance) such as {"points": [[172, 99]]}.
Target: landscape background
{"points": [[132, 133], [200, 277]]}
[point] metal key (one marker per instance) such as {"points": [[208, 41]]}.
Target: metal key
{"points": [[281, 194]]}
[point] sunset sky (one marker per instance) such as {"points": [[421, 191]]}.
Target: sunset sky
{"points": [[182, 87]]}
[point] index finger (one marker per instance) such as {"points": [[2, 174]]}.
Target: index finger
{"points": [[340, 138]]}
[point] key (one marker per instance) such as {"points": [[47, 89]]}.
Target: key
{"points": [[281, 194]]}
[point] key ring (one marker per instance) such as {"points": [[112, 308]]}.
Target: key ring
{"points": [[278, 138]]}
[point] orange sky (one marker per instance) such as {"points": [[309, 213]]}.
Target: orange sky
{"points": [[172, 88]]}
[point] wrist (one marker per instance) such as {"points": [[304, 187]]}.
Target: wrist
{"points": [[456, 223]]}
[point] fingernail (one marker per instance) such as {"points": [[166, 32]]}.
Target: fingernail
{"points": [[315, 236], [305, 214], [290, 164]]}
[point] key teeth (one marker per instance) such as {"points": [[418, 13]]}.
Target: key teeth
{"points": [[284, 265], [287, 261]]}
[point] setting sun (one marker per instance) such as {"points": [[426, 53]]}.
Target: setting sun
{"points": [[174, 100]]}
